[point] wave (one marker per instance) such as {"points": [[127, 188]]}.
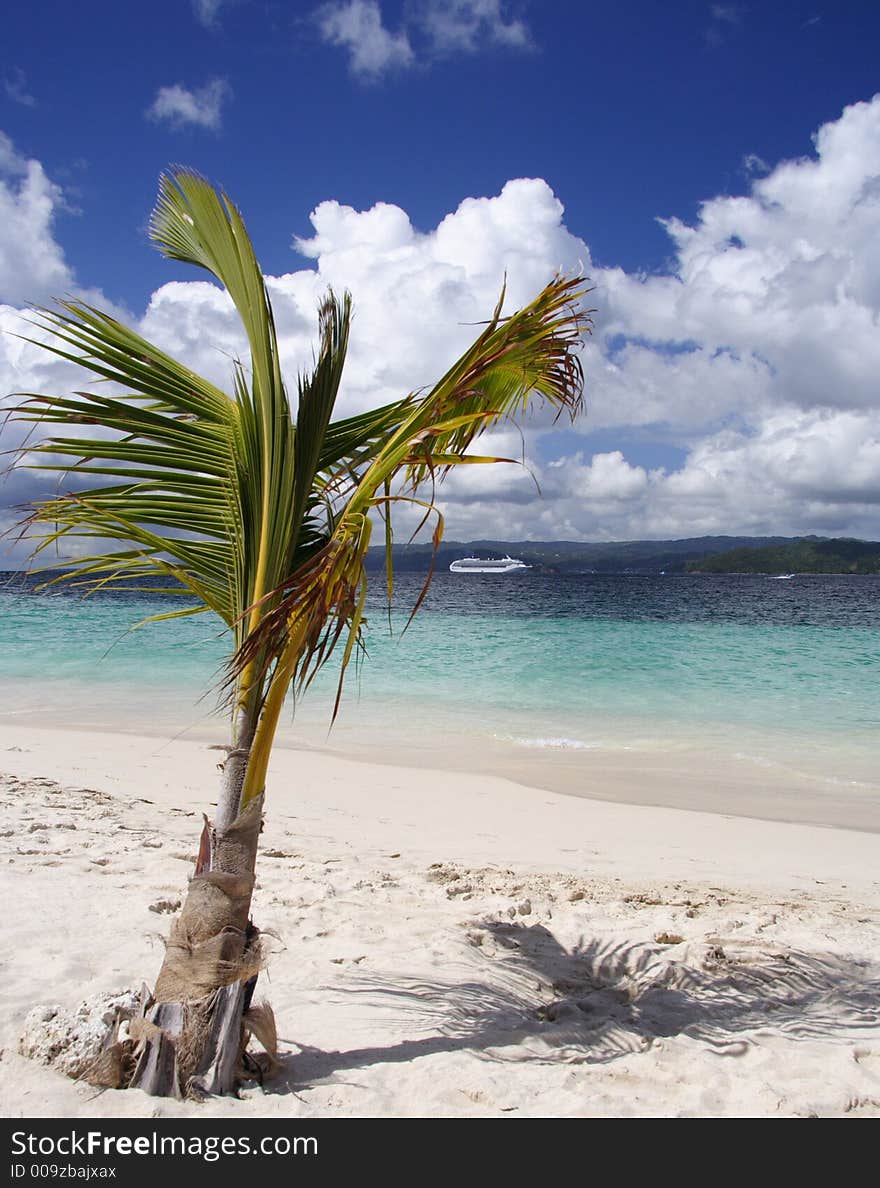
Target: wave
{"points": [[561, 744]]}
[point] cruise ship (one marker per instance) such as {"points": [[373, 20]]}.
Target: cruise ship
{"points": [[486, 565]]}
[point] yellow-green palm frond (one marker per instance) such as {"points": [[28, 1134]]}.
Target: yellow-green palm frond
{"points": [[262, 508], [528, 356], [215, 490]]}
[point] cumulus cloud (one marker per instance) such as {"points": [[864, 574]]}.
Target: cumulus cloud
{"points": [[356, 26], [180, 107], [32, 264], [417, 296], [24, 367], [796, 473], [33, 270], [606, 477], [755, 354], [784, 281]]}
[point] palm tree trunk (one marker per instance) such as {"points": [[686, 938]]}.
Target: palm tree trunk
{"points": [[235, 769], [192, 1034]]}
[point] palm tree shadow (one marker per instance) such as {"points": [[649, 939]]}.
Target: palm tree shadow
{"points": [[523, 996]]}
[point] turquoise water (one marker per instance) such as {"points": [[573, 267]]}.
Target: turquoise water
{"points": [[514, 664]]}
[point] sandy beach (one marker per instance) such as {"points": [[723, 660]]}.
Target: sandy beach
{"points": [[448, 944]]}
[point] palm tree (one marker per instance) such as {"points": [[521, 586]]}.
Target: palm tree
{"points": [[263, 512]]}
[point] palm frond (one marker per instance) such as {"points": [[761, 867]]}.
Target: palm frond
{"points": [[529, 354], [262, 512]]}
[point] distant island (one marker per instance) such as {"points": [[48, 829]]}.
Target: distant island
{"points": [[811, 554], [701, 554]]}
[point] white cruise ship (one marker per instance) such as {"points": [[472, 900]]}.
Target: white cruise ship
{"points": [[486, 565]]}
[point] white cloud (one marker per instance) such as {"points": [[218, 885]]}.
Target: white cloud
{"points": [[32, 264], [756, 354], [206, 11], [181, 107], [25, 367], [11, 160], [16, 88], [467, 26], [797, 473], [725, 18], [33, 270], [752, 163], [356, 26], [607, 477], [431, 29], [418, 296], [784, 283]]}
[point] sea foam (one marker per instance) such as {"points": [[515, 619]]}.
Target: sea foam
{"points": [[561, 744]]}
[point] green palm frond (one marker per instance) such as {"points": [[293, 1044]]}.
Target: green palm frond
{"points": [[530, 352], [262, 511]]}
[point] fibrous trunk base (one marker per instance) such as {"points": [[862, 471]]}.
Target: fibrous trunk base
{"points": [[191, 1039], [194, 1049]]}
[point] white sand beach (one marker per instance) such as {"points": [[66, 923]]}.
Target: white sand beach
{"points": [[455, 944]]}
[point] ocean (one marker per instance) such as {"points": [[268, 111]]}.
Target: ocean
{"points": [[611, 685]]}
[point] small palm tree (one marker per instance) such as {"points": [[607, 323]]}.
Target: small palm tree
{"points": [[262, 509]]}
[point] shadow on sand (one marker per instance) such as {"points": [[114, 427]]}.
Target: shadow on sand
{"points": [[523, 996]]}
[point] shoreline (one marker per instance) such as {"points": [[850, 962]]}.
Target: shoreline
{"points": [[454, 945], [676, 773], [430, 801]]}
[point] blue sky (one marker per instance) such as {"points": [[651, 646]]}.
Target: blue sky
{"points": [[629, 111], [629, 114]]}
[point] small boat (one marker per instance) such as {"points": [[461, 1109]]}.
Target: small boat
{"points": [[487, 565], [780, 577]]}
